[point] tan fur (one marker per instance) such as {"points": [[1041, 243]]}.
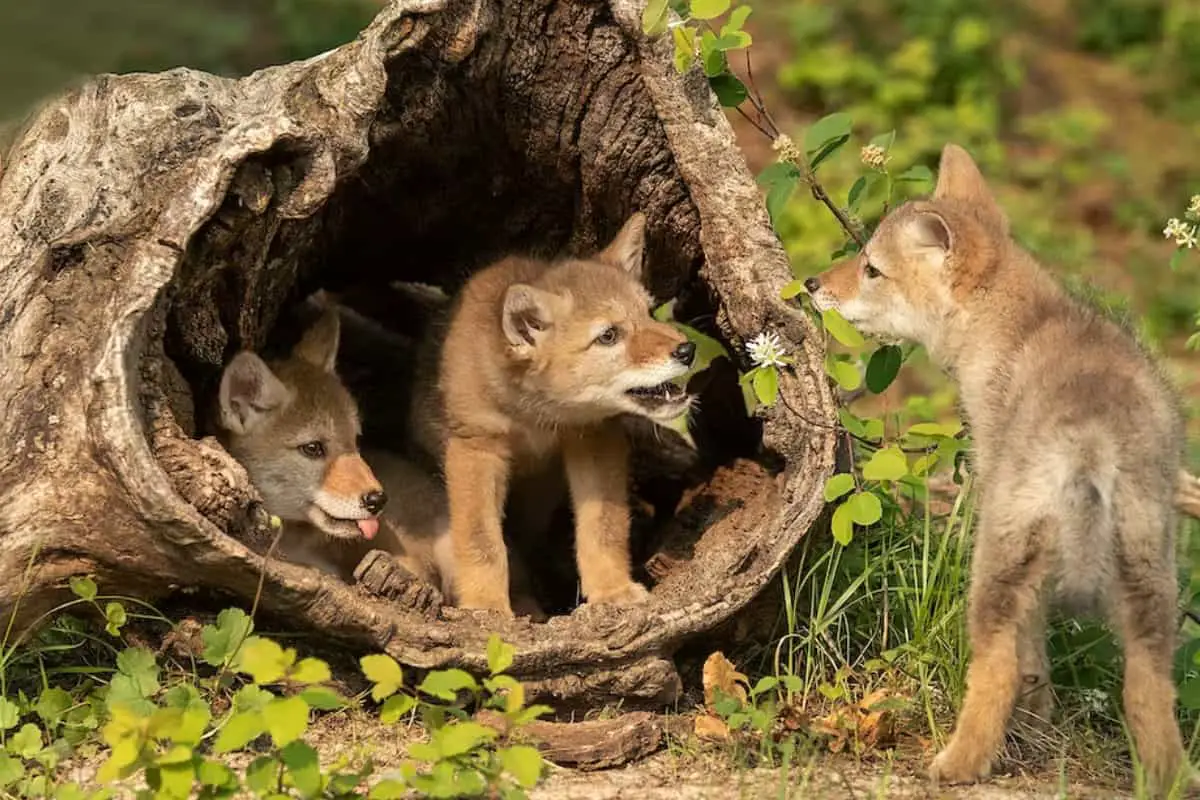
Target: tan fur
{"points": [[526, 375], [1077, 453], [268, 412]]}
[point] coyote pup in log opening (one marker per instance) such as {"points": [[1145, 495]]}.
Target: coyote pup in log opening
{"points": [[294, 427], [538, 360], [1077, 450]]}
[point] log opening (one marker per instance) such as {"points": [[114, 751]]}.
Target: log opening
{"points": [[152, 225]]}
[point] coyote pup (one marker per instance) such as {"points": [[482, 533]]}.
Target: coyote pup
{"points": [[294, 427], [1077, 449], [538, 360]]}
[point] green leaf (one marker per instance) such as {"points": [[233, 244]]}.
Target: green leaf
{"points": [[395, 707], [1176, 259], [322, 699], [766, 385], [499, 654], [1189, 698], [263, 774], [924, 464], [864, 508], [843, 372], [780, 179], [115, 617], [445, 684], [827, 128], [840, 329], [792, 289], [387, 790], [251, 698], [239, 731], [264, 660], [138, 664], [11, 770], [712, 59], [83, 588], [684, 38], [765, 684], [175, 780], [463, 737], [214, 773], [733, 40], [857, 191], [665, 312], [709, 9], [708, 349], [383, 671], [736, 21], [26, 742], [10, 714], [730, 91], [524, 763], [302, 765], [310, 670], [842, 525], [286, 719], [873, 428], [883, 368], [654, 18], [827, 150], [220, 641], [916, 174], [935, 429], [838, 485], [888, 464]]}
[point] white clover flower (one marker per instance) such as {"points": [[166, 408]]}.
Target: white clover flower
{"points": [[875, 156], [766, 350]]}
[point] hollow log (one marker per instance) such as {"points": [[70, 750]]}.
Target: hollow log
{"points": [[151, 225]]}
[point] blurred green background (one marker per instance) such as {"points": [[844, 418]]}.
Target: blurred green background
{"points": [[1084, 113]]}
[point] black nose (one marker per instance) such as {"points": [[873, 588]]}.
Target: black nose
{"points": [[685, 353], [812, 284], [374, 502]]}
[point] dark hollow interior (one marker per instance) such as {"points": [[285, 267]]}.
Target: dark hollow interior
{"points": [[447, 189]]}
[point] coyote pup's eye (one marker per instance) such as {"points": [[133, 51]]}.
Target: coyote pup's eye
{"points": [[608, 337], [870, 271], [313, 449]]}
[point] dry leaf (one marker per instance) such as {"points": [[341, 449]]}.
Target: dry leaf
{"points": [[711, 729], [719, 673]]}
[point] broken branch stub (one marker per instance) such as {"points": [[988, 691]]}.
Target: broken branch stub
{"points": [[152, 225]]}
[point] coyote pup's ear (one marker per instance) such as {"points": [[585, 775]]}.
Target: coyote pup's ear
{"points": [[526, 317], [625, 250], [960, 179], [319, 345], [929, 229], [249, 391]]}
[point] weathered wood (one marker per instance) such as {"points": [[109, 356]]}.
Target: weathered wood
{"points": [[590, 744], [151, 225]]}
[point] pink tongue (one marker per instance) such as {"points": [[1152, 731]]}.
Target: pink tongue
{"points": [[369, 527]]}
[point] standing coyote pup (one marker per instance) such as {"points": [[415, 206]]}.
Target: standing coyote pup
{"points": [[294, 427], [1077, 449], [539, 359]]}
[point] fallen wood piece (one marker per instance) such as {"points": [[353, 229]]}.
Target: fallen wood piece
{"points": [[591, 744]]}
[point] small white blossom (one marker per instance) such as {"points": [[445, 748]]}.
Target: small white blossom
{"points": [[1183, 234], [1187, 237], [875, 156], [1194, 207], [766, 350], [787, 149]]}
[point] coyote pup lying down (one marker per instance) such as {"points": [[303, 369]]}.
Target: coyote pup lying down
{"points": [[538, 360], [294, 427], [1077, 449]]}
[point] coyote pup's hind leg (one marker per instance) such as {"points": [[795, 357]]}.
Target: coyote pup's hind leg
{"points": [[1008, 573]]}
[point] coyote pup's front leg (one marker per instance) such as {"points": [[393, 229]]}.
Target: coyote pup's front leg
{"points": [[597, 464], [477, 481]]}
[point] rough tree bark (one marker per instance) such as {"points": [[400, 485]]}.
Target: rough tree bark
{"points": [[151, 225]]}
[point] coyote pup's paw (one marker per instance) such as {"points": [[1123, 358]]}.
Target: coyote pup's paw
{"points": [[630, 594], [525, 606], [959, 764]]}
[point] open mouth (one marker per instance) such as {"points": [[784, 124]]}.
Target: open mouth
{"points": [[665, 392], [366, 527]]}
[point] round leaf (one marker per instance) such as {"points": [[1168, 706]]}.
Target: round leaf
{"points": [[838, 485], [791, 289], [310, 670], [730, 91], [302, 765], [239, 731], [384, 672], [889, 464], [766, 385], [864, 508], [845, 373], [709, 9], [842, 525], [654, 18], [524, 763], [499, 654], [286, 719], [883, 368]]}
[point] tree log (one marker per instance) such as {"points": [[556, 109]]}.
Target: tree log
{"points": [[153, 224]]}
